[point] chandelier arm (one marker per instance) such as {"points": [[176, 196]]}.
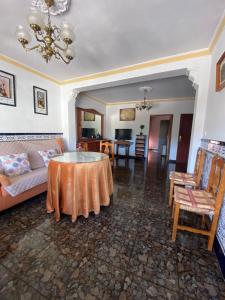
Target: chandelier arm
{"points": [[38, 39], [59, 47], [65, 61], [32, 48]]}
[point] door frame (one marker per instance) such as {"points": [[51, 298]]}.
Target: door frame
{"points": [[169, 132]]}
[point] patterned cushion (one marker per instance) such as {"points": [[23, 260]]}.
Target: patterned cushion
{"points": [[182, 178], [198, 201], [15, 164], [20, 184], [47, 155]]}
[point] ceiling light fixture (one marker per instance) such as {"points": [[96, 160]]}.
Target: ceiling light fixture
{"points": [[48, 36], [146, 104]]}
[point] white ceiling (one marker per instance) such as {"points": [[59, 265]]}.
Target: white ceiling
{"points": [[116, 33], [173, 87]]}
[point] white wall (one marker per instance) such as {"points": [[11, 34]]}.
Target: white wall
{"points": [[22, 117], [176, 108], [215, 116]]}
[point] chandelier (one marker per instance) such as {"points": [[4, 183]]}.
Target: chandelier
{"points": [[52, 41], [145, 104]]}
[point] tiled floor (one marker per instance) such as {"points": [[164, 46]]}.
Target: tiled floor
{"points": [[124, 253]]}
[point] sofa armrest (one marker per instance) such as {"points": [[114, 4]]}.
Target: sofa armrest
{"points": [[4, 181]]}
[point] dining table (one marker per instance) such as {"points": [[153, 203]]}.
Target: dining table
{"points": [[79, 183]]}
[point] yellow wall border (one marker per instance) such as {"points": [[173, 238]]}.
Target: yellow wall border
{"points": [[144, 65], [153, 101], [29, 69], [217, 34]]}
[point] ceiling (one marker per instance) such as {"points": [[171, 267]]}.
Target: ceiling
{"points": [[174, 87], [117, 33]]}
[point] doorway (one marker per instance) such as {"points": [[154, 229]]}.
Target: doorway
{"points": [[184, 139], [160, 130]]}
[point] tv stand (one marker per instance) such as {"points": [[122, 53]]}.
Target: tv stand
{"points": [[122, 143]]}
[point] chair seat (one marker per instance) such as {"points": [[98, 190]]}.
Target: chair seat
{"points": [[182, 178], [197, 201]]}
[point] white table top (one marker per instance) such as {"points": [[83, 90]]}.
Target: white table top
{"points": [[79, 157]]}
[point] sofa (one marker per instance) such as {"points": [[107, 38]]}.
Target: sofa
{"points": [[14, 190]]}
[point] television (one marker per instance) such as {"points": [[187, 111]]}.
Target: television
{"points": [[123, 134], [88, 132]]}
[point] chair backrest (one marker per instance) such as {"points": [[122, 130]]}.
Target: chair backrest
{"points": [[216, 182], [199, 164], [82, 146], [60, 143], [107, 148]]}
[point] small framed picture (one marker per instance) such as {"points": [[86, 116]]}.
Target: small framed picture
{"points": [[220, 73], [127, 114], [88, 116], [40, 101], [7, 89]]}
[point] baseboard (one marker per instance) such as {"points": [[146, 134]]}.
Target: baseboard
{"points": [[220, 256]]}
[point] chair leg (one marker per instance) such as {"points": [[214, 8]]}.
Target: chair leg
{"points": [[171, 192], [212, 232], [173, 209], [175, 221], [203, 222]]}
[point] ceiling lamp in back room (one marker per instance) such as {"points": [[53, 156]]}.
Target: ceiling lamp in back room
{"points": [[52, 41], [145, 104]]}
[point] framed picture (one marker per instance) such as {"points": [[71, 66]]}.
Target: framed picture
{"points": [[7, 89], [127, 114], [89, 116], [40, 101], [220, 73]]}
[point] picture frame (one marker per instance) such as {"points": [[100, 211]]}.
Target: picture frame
{"points": [[7, 89], [88, 116], [220, 73], [40, 101], [127, 114]]}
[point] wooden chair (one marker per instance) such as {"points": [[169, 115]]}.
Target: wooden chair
{"points": [[60, 143], [203, 202], [186, 179], [82, 146], [108, 148]]}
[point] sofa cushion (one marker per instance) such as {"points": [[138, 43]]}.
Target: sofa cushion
{"points": [[36, 161], [15, 164], [47, 155], [31, 148], [22, 183]]}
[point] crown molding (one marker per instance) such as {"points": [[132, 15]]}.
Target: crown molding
{"points": [[147, 64], [29, 69], [217, 33], [153, 101]]}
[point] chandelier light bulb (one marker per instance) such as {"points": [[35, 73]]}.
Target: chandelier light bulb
{"points": [[36, 20], [69, 53], [67, 36], [22, 34], [66, 25]]}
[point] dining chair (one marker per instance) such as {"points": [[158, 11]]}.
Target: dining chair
{"points": [[187, 179], [60, 143], [108, 148], [204, 202], [82, 146]]}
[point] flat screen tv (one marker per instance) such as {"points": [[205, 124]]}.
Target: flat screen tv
{"points": [[88, 132], [123, 134]]}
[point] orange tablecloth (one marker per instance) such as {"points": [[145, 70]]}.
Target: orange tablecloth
{"points": [[79, 188]]}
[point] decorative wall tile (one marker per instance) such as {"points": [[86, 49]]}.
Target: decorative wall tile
{"points": [[10, 137], [214, 147]]}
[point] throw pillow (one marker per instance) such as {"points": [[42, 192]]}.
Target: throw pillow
{"points": [[47, 155], [15, 164]]}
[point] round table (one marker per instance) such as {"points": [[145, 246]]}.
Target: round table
{"points": [[78, 183]]}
